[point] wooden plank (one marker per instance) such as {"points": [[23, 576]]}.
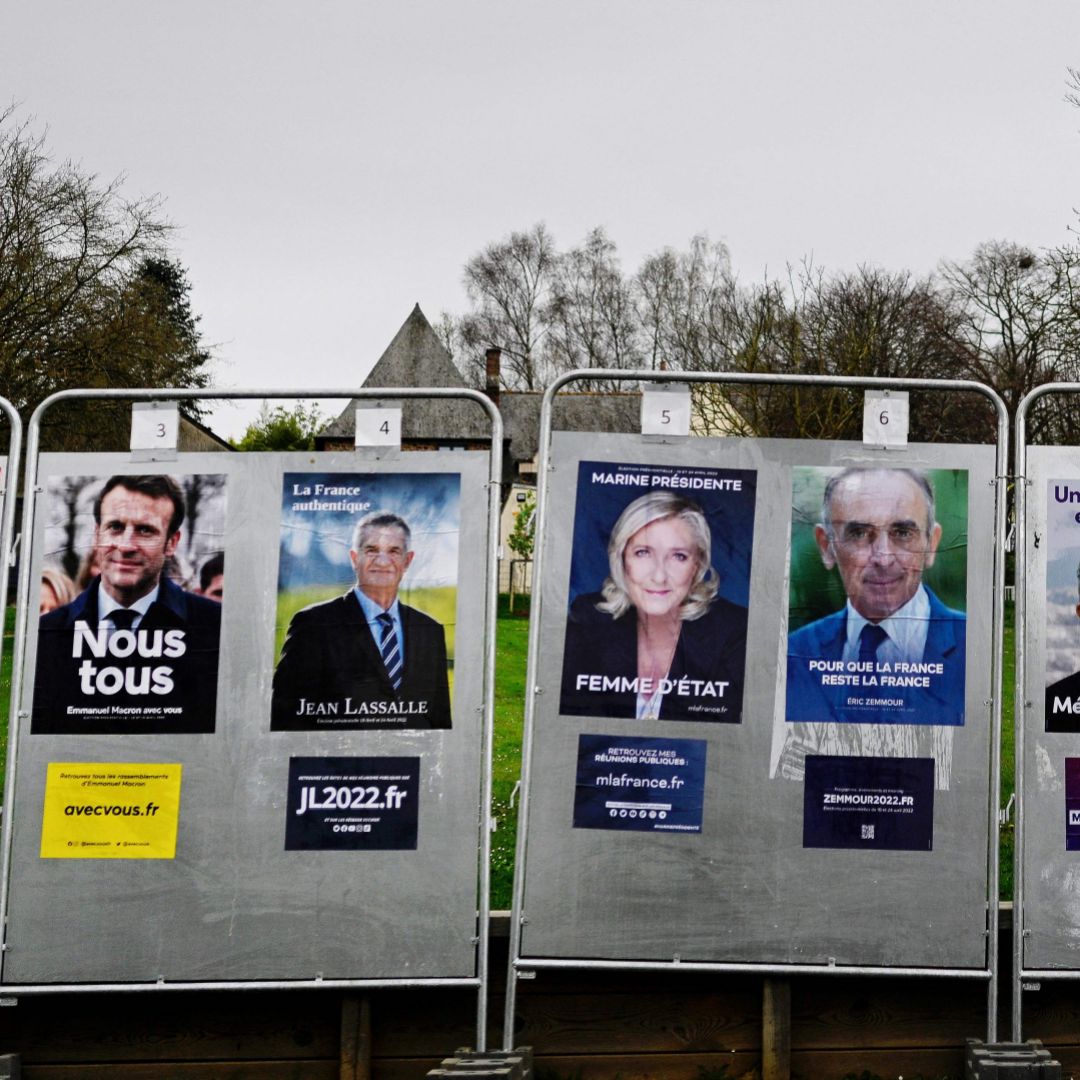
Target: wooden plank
{"points": [[214, 1026], [643, 1021], [355, 1061], [188, 1070], [776, 1029], [886, 1062], [596, 1066], [870, 1013]]}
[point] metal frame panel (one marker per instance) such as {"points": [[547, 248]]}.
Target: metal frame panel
{"points": [[266, 471], [521, 963], [1046, 920]]}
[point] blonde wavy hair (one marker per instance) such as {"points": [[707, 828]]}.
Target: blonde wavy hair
{"points": [[644, 510]]}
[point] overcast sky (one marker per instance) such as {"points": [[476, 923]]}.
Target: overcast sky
{"points": [[329, 164]]}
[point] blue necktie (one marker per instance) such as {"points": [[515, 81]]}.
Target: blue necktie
{"points": [[870, 641], [390, 649]]}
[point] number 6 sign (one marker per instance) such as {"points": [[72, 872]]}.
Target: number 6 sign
{"points": [[885, 418]]}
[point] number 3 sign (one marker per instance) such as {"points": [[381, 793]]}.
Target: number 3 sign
{"points": [[155, 425]]}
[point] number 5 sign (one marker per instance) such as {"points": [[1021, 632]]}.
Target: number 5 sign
{"points": [[665, 410], [885, 418]]}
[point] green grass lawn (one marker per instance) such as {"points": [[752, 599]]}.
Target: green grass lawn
{"points": [[511, 647]]}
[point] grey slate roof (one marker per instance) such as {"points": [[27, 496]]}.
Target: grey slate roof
{"points": [[416, 357]]}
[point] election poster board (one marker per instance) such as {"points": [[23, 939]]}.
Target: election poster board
{"points": [[160, 813], [1051, 739], [674, 544], [692, 834], [877, 626], [327, 673], [107, 539]]}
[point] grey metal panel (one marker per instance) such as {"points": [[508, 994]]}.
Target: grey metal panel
{"points": [[745, 890], [1051, 900], [234, 905]]}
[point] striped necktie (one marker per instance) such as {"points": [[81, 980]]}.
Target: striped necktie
{"points": [[390, 649]]}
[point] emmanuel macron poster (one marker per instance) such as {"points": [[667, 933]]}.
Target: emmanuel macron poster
{"points": [[367, 601], [131, 591]]}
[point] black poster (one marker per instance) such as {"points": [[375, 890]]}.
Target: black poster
{"points": [[352, 804], [639, 784], [881, 803]]}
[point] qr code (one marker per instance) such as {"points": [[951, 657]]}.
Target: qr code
{"points": [[866, 832]]}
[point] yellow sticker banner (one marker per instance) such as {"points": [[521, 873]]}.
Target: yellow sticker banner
{"points": [[110, 810]]}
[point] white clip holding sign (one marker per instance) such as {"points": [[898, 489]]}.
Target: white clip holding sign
{"points": [[378, 425], [885, 418], [665, 409], [155, 429]]}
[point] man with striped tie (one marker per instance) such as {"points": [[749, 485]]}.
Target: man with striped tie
{"points": [[364, 660], [894, 654]]}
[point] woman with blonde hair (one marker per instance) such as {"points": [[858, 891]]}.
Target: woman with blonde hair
{"points": [[57, 589], [657, 641]]}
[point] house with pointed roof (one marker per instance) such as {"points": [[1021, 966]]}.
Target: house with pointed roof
{"points": [[416, 357]]}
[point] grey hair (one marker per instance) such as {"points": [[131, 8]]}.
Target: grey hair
{"points": [[919, 479], [644, 510], [379, 519]]}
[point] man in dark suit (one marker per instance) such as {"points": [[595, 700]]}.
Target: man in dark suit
{"points": [[133, 653], [894, 654], [1062, 707], [364, 660]]}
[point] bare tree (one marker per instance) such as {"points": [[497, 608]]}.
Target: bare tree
{"points": [[1016, 325], [591, 317], [509, 284]]}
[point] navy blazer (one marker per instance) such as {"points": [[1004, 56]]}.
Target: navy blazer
{"points": [[134, 708], [711, 648], [942, 702], [331, 673]]}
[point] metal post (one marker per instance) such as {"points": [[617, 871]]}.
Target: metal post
{"points": [[480, 981], [990, 972]]}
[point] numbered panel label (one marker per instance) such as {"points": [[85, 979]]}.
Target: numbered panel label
{"points": [[885, 418], [155, 425], [378, 425], [665, 411]]}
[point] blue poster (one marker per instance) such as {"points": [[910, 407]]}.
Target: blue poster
{"points": [[877, 623], [352, 804], [881, 803], [644, 785], [367, 601], [659, 586]]}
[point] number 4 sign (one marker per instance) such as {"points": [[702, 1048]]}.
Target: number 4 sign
{"points": [[885, 418], [378, 425]]}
